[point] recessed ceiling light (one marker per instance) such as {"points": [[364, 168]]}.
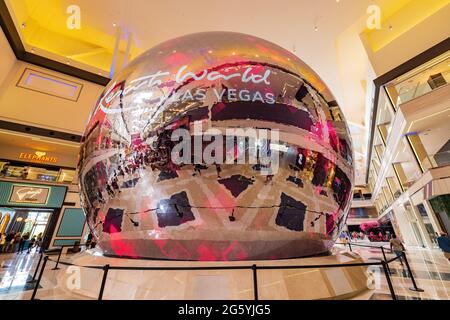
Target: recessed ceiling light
{"points": [[114, 24]]}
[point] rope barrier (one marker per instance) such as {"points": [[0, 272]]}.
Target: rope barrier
{"points": [[384, 264], [320, 266]]}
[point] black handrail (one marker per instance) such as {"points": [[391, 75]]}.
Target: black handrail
{"points": [[36, 286], [384, 264], [415, 288], [364, 246], [61, 250], [253, 267], [403, 256], [37, 268]]}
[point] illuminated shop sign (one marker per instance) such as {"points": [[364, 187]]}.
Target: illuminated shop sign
{"points": [[24, 194], [38, 157]]}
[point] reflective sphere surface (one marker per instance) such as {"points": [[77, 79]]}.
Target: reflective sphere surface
{"points": [[216, 146]]}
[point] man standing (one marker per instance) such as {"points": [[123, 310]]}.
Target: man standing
{"points": [[444, 244], [397, 247]]}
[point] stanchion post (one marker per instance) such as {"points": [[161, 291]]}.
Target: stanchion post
{"points": [[37, 268], [36, 286], [388, 279], [255, 281], [385, 259], [105, 276], [415, 288], [59, 257], [350, 245]]}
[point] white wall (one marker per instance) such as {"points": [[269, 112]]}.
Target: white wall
{"points": [[38, 109], [7, 58]]}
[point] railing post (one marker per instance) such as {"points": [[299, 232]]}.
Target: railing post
{"points": [[411, 275], [59, 257], [385, 260], [255, 281], [36, 286], [37, 268], [105, 275], [350, 245], [388, 279]]}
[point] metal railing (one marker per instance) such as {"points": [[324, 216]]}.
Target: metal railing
{"points": [[383, 251], [254, 268]]}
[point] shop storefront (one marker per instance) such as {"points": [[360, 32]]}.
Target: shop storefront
{"points": [[35, 171], [41, 209]]}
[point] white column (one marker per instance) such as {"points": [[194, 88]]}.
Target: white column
{"points": [[433, 219], [421, 225]]}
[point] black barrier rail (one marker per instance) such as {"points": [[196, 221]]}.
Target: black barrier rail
{"points": [[383, 251], [254, 268], [41, 254], [61, 251]]}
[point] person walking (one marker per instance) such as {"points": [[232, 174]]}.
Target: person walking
{"points": [[398, 247], [218, 170], [38, 243], [197, 169], [110, 191], [8, 242], [31, 244], [22, 242], [100, 196], [16, 241], [115, 185], [444, 243], [2, 242]]}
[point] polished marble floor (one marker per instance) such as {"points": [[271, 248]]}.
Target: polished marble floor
{"points": [[430, 268]]}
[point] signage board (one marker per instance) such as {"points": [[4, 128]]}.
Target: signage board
{"points": [[28, 194], [38, 157]]}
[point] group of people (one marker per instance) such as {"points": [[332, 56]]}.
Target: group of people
{"points": [[126, 168], [347, 236], [371, 236], [18, 243]]}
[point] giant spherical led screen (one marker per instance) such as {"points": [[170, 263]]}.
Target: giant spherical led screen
{"points": [[216, 146]]}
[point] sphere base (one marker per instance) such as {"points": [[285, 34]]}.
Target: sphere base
{"points": [[286, 284]]}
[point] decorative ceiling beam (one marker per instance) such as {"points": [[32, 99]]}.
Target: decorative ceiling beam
{"points": [[11, 33]]}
